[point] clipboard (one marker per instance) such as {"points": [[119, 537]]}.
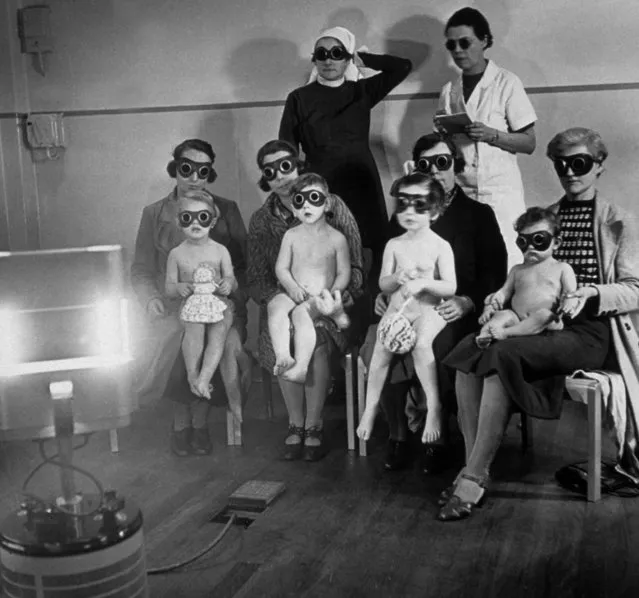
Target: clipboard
{"points": [[454, 124]]}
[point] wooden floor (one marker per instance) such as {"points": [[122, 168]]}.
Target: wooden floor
{"points": [[346, 528]]}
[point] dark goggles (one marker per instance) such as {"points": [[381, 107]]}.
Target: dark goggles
{"points": [[314, 197], [440, 161], [419, 203], [464, 43], [187, 167], [540, 240], [335, 53], [203, 217], [580, 164], [284, 165]]}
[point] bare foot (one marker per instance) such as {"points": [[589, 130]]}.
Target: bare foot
{"points": [[483, 341], [365, 428], [283, 363], [433, 427], [193, 385], [203, 388], [295, 374]]}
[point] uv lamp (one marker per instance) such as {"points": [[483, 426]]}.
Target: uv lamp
{"points": [[65, 370], [63, 317]]}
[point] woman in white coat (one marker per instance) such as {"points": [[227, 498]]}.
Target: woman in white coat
{"points": [[503, 122]]}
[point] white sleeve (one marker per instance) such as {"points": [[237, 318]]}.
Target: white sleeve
{"points": [[519, 111]]}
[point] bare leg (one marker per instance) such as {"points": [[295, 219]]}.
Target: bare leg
{"points": [[192, 348], [533, 324], [494, 413], [293, 394], [217, 334], [468, 389], [428, 326], [377, 374], [316, 389], [305, 339], [279, 327], [229, 371], [499, 320]]}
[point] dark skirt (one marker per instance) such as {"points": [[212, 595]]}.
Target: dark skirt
{"points": [[533, 368]]}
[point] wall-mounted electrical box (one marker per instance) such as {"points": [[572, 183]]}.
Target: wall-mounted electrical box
{"points": [[45, 135], [34, 29]]}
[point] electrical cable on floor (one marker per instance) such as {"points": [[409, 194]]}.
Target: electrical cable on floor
{"points": [[211, 546]]}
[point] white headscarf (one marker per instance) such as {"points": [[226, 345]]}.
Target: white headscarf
{"points": [[347, 39]]}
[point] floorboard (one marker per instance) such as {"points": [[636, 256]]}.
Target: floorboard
{"points": [[344, 527]]}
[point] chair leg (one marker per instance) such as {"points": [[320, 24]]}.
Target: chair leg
{"points": [[113, 441], [233, 430], [350, 359], [594, 443], [362, 372], [267, 391], [526, 433]]}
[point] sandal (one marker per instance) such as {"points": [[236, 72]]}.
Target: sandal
{"points": [[314, 452], [457, 509], [292, 452]]}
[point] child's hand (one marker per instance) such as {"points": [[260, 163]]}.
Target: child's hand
{"points": [[224, 287], [184, 289], [365, 428], [412, 288], [486, 315], [298, 294], [408, 167], [403, 276], [495, 301]]}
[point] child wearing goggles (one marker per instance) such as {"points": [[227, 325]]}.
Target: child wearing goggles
{"points": [[418, 271], [200, 271], [533, 289], [313, 260]]}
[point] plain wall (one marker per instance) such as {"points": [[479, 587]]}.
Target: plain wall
{"points": [[135, 77]]}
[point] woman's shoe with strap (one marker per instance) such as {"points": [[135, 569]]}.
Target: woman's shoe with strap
{"points": [[293, 451], [469, 493], [314, 452]]}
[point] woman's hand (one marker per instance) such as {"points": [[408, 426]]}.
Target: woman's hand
{"points": [[572, 303], [408, 167], [224, 287], [454, 308], [438, 127], [381, 305], [184, 289], [478, 131], [155, 308], [357, 59]]}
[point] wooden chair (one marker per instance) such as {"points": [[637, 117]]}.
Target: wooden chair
{"points": [[582, 390]]}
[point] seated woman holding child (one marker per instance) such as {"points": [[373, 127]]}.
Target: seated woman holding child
{"points": [[161, 229], [304, 263], [524, 365], [479, 252]]}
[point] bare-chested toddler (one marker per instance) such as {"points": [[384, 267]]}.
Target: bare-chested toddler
{"points": [[313, 260], [533, 289], [419, 266]]}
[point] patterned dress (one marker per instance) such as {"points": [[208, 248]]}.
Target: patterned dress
{"points": [[266, 231], [203, 307]]}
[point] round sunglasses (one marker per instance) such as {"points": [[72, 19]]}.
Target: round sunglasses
{"points": [[580, 164], [420, 203], [284, 165], [313, 197], [335, 53], [203, 217], [187, 167], [541, 240], [463, 42], [441, 162]]}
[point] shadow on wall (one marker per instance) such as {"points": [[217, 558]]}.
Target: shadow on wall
{"points": [[420, 38], [266, 69]]}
